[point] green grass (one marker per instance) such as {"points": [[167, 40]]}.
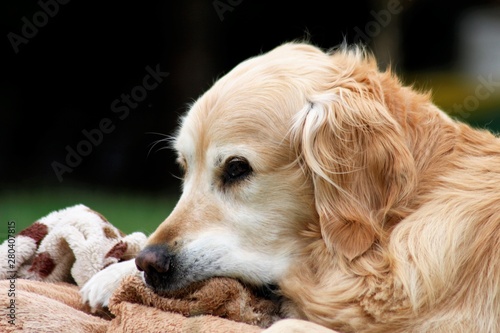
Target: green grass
{"points": [[127, 211]]}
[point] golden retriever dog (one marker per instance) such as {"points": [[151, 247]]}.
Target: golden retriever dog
{"points": [[369, 207]]}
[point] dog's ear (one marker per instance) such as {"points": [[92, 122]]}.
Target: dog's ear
{"points": [[357, 156]]}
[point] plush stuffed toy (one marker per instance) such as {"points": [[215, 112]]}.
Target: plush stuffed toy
{"points": [[60, 252]]}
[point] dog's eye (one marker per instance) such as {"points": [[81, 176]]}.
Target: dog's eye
{"points": [[181, 162], [236, 168]]}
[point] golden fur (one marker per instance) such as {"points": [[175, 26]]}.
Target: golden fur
{"points": [[380, 212]]}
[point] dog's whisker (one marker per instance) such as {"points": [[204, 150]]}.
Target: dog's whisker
{"points": [[166, 142]]}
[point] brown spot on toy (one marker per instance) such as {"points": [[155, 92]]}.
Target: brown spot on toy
{"points": [[37, 231], [42, 265], [109, 233], [117, 251]]}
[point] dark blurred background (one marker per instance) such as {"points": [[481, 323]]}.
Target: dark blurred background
{"points": [[67, 66]]}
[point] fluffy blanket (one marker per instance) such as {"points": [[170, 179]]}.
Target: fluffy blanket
{"points": [[56, 255]]}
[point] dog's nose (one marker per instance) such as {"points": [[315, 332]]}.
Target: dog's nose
{"points": [[153, 260]]}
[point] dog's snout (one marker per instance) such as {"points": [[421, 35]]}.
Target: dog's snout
{"points": [[153, 260]]}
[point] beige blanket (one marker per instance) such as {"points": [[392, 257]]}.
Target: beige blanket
{"points": [[56, 255]]}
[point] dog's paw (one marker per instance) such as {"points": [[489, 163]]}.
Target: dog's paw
{"points": [[99, 288]]}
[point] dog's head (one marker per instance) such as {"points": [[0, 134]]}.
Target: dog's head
{"points": [[290, 147]]}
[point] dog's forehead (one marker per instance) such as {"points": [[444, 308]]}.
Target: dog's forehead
{"points": [[254, 104], [242, 130], [211, 132]]}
